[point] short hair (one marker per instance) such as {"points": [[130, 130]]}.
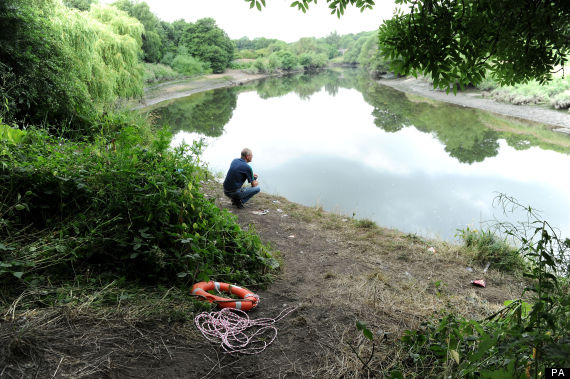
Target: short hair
{"points": [[245, 152]]}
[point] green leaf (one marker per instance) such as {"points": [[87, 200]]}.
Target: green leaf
{"points": [[20, 207], [367, 333], [182, 274], [18, 274], [258, 6]]}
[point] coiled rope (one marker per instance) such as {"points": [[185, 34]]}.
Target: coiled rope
{"points": [[229, 327]]}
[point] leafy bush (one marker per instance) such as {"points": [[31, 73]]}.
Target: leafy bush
{"points": [[126, 205], [207, 42], [157, 72], [259, 65], [487, 247], [189, 66], [561, 101], [288, 60], [273, 62], [530, 93]]}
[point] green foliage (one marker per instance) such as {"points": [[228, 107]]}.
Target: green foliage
{"points": [[487, 247], [59, 63], [207, 42], [554, 92], [125, 205], [82, 5], [152, 35], [459, 41], [351, 56], [157, 72], [561, 100], [273, 62], [311, 61], [288, 60], [336, 6], [205, 113], [365, 224], [259, 65], [188, 65]]}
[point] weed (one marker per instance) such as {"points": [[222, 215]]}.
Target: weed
{"points": [[365, 224], [487, 247]]}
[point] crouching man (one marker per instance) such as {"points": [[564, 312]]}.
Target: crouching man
{"points": [[239, 172]]}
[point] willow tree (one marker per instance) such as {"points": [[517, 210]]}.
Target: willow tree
{"points": [[62, 64]]}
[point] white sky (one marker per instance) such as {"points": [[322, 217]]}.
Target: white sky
{"points": [[276, 20]]}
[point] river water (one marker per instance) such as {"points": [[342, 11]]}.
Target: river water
{"points": [[344, 142]]}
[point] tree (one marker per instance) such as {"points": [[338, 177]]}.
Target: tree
{"points": [[460, 41], [207, 42], [59, 64], [152, 36], [82, 5]]}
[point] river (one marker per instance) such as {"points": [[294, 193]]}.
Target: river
{"points": [[341, 141]]}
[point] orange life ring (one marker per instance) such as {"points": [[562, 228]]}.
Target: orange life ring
{"points": [[248, 301]]}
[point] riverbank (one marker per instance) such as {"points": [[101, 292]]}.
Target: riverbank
{"points": [[472, 98], [186, 87]]}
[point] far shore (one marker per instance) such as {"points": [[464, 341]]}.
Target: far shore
{"points": [[558, 120]]}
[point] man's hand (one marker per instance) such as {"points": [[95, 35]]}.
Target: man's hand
{"points": [[254, 183], [254, 176]]}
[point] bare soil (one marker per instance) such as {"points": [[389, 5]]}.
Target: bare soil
{"points": [[334, 270]]}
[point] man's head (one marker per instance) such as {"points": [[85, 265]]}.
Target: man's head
{"points": [[246, 154]]}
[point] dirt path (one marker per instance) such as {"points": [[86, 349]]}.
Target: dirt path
{"points": [[473, 99]]}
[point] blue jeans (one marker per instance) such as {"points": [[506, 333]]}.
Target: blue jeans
{"points": [[243, 194]]}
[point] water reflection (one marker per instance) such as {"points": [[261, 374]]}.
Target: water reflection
{"points": [[205, 113], [342, 141]]}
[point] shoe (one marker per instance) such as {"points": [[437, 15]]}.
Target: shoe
{"points": [[237, 203]]}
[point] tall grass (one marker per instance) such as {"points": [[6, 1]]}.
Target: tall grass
{"points": [[555, 93], [158, 72]]}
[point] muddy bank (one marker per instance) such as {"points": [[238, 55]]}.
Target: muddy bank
{"points": [[186, 87], [559, 120]]}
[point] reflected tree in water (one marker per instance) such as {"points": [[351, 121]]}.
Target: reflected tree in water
{"points": [[304, 85], [206, 113], [468, 135], [459, 129]]}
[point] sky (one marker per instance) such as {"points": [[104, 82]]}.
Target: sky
{"points": [[277, 20]]}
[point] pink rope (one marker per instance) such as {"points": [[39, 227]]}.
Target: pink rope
{"points": [[229, 327]]}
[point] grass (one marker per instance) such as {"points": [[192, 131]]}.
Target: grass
{"points": [[487, 248], [553, 93]]}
